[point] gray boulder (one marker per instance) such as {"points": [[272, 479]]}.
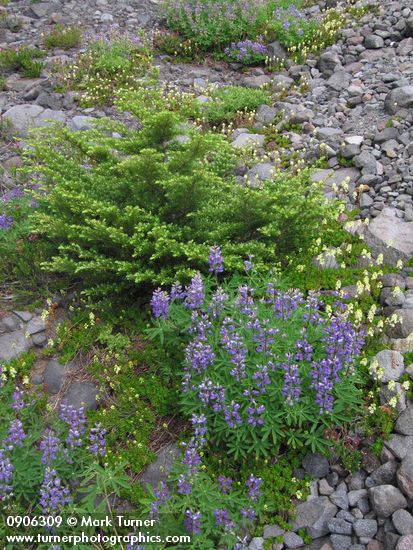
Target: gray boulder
{"points": [[54, 375], [294, 113], [292, 540], [404, 327], [25, 117], [160, 469], [265, 114], [277, 51], [373, 42], [405, 543], [339, 80], [367, 162], [403, 522], [35, 325], [391, 363], [405, 476], [314, 515], [400, 445], [248, 140], [389, 235], [383, 475], [404, 424], [12, 344], [399, 98], [82, 394], [80, 123], [386, 499], [327, 63], [316, 465], [365, 527]]}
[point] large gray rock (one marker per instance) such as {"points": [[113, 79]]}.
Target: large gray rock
{"points": [[405, 543], [12, 344], [403, 521], [404, 424], [327, 63], [316, 465], [292, 540], [265, 114], [365, 527], [294, 113], [25, 316], [248, 140], [336, 178], [400, 445], [22, 118], [25, 117], [314, 515], [340, 496], [35, 325], [54, 375], [39, 10], [355, 496], [277, 51], [329, 134], [389, 235], [367, 162], [383, 475], [339, 80], [373, 42], [339, 542], [82, 394], [160, 469], [80, 123], [399, 98], [386, 499], [405, 476], [391, 363], [261, 172], [340, 526], [404, 327]]}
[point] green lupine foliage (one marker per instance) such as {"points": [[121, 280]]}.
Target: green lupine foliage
{"points": [[143, 209]]}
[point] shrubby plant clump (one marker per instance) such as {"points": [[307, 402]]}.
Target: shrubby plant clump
{"points": [[144, 207], [265, 367], [240, 31]]}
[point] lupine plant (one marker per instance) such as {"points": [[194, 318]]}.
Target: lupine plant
{"points": [[49, 465], [265, 366], [247, 52], [216, 512], [212, 24]]}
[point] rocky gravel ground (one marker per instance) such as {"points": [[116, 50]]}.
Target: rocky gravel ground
{"points": [[354, 105]]}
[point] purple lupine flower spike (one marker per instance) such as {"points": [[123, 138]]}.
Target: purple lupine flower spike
{"points": [[160, 303], [18, 401], [97, 440], [195, 293], [253, 485], [192, 522], [76, 420], [53, 495], [215, 260], [15, 436], [50, 446], [6, 475]]}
